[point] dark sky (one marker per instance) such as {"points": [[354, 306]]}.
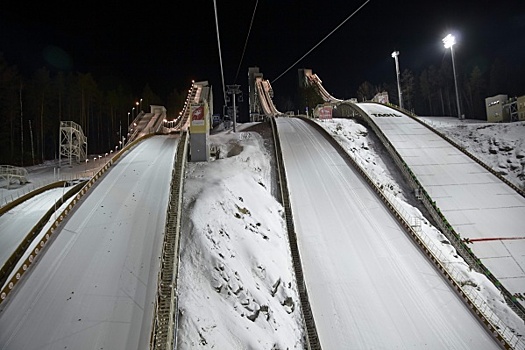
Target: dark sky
{"points": [[166, 44]]}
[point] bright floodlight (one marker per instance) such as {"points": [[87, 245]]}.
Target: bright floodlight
{"points": [[395, 54], [449, 41]]}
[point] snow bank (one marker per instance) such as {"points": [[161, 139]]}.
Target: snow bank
{"points": [[237, 286]]}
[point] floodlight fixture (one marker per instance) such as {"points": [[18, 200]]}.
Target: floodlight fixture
{"points": [[449, 41]]}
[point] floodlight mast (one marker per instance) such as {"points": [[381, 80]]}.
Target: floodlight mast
{"points": [[449, 41], [399, 93]]}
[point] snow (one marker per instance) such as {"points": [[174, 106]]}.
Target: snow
{"points": [[17, 222], [476, 203], [365, 149], [369, 285], [499, 145], [236, 282], [94, 287]]}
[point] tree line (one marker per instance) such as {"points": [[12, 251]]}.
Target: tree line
{"points": [[432, 91], [32, 106]]}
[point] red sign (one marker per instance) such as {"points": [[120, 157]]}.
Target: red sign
{"points": [[198, 113], [325, 113]]}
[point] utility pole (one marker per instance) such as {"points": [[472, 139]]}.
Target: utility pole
{"points": [[234, 90], [395, 54]]}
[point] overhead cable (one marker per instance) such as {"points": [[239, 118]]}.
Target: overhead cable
{"points": [[246, 42], [320, 42], [220, 54]]}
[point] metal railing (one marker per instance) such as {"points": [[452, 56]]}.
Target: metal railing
{"points": [[165, 325], [9, 172]]}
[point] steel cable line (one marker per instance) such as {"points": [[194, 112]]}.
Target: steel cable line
{"points": [[246, 42], [320, 42], [220, 54]]}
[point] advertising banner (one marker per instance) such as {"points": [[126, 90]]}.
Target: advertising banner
{"points": [[197, 115], [325, 112]]}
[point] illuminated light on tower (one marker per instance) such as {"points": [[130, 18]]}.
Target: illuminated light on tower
{"points": [[449, 41], [399, 93]]}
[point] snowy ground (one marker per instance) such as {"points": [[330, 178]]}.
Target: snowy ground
{"points": [[499, 145], [368, 152], [236, 281], [226, 199], [94, 286], [369, 285], [17, 222]]}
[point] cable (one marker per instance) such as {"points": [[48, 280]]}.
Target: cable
{"points": [[320, 42], [246, 42], [220, 54]]}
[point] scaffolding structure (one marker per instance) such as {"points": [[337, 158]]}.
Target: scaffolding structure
{"points": [[73, 143]]}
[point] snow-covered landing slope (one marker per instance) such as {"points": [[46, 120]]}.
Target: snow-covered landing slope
{"points": [[94, 287], [369, 286], [17, 222], [475, 202]]}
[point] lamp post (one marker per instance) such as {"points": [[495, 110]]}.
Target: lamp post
{"points": [[399, 93], [449, 41], [128, 121], [138, 110], [140, 105], [132, 113]]}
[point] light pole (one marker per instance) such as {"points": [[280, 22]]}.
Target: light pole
{"points": [[133, 114], [140, 105], [128, 121], [399, 93], [450, 41]]}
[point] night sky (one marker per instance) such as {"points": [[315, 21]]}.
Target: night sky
{"points": [[166, 44]]}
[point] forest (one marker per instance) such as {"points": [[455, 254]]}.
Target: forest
{"points": [[32, 105], [31, 108]]}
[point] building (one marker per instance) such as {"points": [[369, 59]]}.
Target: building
{"points": [[496, 113]]}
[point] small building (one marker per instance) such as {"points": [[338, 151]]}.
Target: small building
{"points": [[496, 113]]}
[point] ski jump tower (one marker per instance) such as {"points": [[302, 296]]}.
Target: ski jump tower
{"points": [[73, 143]]}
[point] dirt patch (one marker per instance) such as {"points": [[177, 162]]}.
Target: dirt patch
{"points": [[235, 150]]}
